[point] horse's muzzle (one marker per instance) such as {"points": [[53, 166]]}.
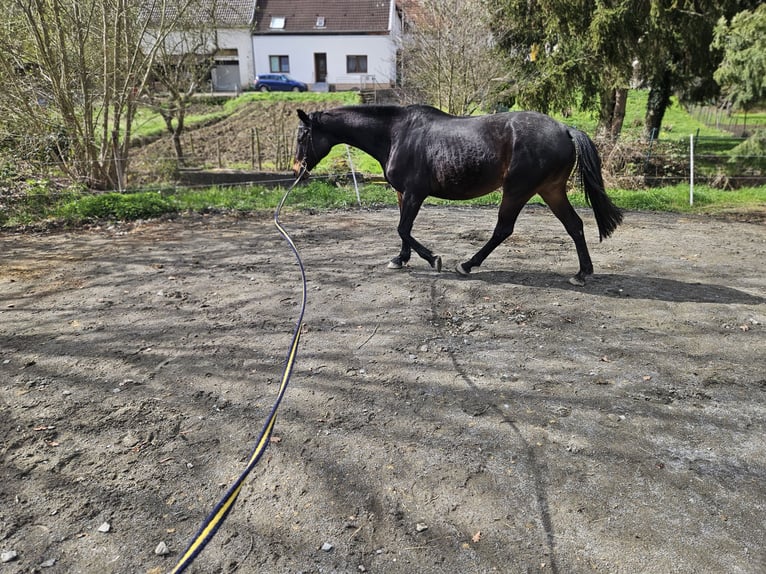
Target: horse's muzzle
{"points": [[298, 170]]}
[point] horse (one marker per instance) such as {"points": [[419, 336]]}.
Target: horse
{"points": [[426, 152]]}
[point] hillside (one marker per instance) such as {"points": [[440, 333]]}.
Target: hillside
{"points": [[256, 133], [233, 139]]}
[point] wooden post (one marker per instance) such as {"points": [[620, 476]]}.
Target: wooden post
{"points": [[258, 148], [252, 148]]}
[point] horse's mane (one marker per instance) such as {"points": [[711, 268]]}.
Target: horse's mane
{"points": [[387, 110]]}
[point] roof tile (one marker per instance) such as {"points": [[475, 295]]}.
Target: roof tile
{"points": [[301, 16]]}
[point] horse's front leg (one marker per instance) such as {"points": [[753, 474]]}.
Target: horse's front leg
{"points": [[404, 254], [401, 260], [409, 208]]}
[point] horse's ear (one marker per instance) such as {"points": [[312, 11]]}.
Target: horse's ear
{"points": [[304, 117]]}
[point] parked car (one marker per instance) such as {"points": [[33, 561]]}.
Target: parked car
{"points": [[278, 83]]}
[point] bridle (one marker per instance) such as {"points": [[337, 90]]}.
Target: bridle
{"points": [[305, 133]]}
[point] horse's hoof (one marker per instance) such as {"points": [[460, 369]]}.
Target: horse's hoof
{"points": [[462, 270], [394, 265], [437, 264], [577, 281]]}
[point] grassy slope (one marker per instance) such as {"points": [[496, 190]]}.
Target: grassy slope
{"points": [[319, 194], [149, 124], [677, 123]]}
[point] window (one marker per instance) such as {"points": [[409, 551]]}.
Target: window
{"points": [[356, 64], [277, 23], [320, 22], [279, 64]]}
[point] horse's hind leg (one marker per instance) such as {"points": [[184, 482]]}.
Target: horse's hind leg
{"points": [[557, 200], [510, 207]]}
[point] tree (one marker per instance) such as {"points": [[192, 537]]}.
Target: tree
{"points": [[566, 54], [448, 57], [74, 69], [675, 53], [742, 72], [583, 52], [185, 58]]}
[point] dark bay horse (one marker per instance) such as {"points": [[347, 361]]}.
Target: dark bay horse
{"points": [[424, 151]]}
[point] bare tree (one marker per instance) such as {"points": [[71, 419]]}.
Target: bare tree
{"points": [[448, 57], [183, 63], [75, 68]]}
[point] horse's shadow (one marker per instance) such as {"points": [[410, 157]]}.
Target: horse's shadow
{"points": [[621, 286]]}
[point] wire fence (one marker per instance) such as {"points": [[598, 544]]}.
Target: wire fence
{"points": [[722, 162], [723, 118]]}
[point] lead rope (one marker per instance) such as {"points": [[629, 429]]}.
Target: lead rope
{"points": [[218, 515]]}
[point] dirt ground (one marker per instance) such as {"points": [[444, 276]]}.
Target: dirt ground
{"points": [[504, 422]]}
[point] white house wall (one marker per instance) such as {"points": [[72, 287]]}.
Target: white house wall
{"points": [[241, 40], [228, 39], [380, 52]]}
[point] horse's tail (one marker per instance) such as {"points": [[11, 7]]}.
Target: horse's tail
{"points": [[608, 215]]}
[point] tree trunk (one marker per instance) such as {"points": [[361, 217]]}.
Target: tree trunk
{"points": [[175, 131], [606, 114], [177, 134], [612, 113], [659, 100], [620, 101]]}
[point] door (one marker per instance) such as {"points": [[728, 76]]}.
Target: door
{"points": [[320, 68], [226, 77]]}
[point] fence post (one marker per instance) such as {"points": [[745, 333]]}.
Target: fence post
{"points": [[252, 149], [353, 176], [258, 148], [649, 150], [691, 169]]}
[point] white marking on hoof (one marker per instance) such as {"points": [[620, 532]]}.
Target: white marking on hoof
{"points": [[577, 281], [437, 264], [461, 270], [394, 265]]}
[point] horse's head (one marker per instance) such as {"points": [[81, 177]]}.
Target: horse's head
{"points": [[313, 143]]}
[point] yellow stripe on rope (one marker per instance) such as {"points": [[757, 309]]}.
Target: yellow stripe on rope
{"points": [[218, 515]]}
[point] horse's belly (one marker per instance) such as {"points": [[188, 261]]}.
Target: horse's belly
{"points": [[467, 183], [465, 168]]}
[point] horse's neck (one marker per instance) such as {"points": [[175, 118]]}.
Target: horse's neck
{"points": [[371, 133]]}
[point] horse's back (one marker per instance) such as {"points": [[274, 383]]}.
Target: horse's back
{"points": [[537, 131], [462, 157], [521, 129], [454, 157]]}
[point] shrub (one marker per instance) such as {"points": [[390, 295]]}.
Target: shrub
{"points": [[116, 207]]}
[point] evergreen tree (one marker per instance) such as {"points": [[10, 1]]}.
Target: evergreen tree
{"points": [[587, 52], [742, 72]]}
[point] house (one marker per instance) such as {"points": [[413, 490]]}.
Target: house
{"points": [[328, 44], [221, 29], [234, 63]]}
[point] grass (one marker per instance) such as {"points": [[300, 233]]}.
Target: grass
{"points": [[113, 207], [707, 200], [77, 208]]}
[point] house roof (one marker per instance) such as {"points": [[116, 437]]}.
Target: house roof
{"points": [[223, 13], [322, 16], [235, 13]]}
